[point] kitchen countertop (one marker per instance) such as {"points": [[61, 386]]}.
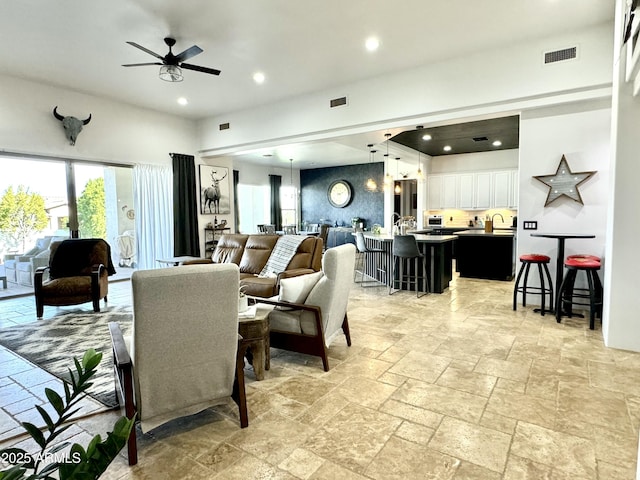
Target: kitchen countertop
{"points": [[508, 232], [420, 238]]}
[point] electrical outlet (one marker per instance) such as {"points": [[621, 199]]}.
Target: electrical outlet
{"points": [[530, 225]]}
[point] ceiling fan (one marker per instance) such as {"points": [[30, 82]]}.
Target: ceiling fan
{"points": [[171, 65]]}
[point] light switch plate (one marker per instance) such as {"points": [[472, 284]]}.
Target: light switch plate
{"points": [[530, 225]]}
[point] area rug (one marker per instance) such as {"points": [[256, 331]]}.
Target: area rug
{"points": [[52, 344]]}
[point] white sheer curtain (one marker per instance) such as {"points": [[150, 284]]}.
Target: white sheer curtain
{"points": [[153, 201]]}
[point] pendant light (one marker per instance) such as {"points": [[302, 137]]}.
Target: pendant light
{"points": [[388, 180], [397, 189], [291, 172], [371, 184], [419, 172]]}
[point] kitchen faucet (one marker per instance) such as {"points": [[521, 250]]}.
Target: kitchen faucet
{"points": [[492, 217], [393, 215]]}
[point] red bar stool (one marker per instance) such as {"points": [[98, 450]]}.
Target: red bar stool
{"points": [[568, 295], [543, 290]]}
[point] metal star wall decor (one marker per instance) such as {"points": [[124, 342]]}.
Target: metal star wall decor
{"points": [[564, 182]]}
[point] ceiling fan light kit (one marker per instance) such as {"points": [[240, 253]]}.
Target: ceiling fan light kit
{"points": [[171, 65], [171, 73]]}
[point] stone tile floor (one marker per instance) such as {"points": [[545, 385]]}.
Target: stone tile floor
{"points": [[451, 386]]}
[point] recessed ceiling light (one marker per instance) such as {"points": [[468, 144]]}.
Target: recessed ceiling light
{"points": [[497, 143], [372, 44], [447, 148], [426, 137], [259, 78], [183, 101]]}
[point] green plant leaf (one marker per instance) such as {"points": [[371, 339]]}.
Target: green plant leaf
{"points": [[35, 433], [59, 431], [59, 446], [45, 416], [69, 414], [74, 384], [91, 359], [67, 392], [55, 400], [13, 473]]}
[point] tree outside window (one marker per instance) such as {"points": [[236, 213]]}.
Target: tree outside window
{"points": [[22, 215]]}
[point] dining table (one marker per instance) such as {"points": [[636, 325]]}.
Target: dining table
{"points": [[561, 239]]}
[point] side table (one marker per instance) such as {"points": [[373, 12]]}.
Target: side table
{"points": [[255, 335]]}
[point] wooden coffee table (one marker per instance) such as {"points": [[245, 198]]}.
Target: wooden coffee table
{"points": [[255, 335]]}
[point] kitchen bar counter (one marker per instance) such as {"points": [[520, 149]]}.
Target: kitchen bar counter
{"points": [[490, 255], [481, 233], [437, 250]]}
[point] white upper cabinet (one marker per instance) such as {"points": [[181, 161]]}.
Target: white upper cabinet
{"points": [[483, 186], [466, 190], [502, 189], [515, 189], [449, 191], [473, 190], [434, 192]]}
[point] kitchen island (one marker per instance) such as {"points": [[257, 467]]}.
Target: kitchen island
{"points": [[490, 255], [437, 250]]}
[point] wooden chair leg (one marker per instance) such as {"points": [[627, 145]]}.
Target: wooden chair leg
{"points": [[345, 329], [239, 394]]}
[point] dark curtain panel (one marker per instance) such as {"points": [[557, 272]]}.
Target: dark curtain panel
{"points": [[186, 238], [236, 220], [276, 212]]}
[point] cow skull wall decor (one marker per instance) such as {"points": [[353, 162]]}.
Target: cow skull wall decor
{"points": [[72, 126]]}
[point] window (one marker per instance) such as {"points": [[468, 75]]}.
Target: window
{"points": [[289, 205], [253, 207]]}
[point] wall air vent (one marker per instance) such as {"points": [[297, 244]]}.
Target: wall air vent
{"points": [[225, 126], [480, 139], [338, 102], [560, 55]]}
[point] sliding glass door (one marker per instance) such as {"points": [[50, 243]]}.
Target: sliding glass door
{"points": [[55, 199]]}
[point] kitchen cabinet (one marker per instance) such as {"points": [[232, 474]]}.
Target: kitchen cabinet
{"points": [[449, 191], [483, 190], [434, 192], [515, 189], [466, 191], [442, 191], [473, 190], [486, 255], [502, 189]]}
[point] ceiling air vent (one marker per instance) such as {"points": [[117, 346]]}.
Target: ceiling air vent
{"points": [[338, 102], [225, 126], [560, 55], [480, 139]]}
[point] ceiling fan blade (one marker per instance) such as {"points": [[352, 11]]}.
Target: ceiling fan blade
{"points": [[133, 44], [188, 53], [198, 68], [141, 64]]}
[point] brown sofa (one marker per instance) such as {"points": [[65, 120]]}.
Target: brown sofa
{"points": [[251, 252]]}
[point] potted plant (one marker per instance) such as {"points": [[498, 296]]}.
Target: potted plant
{"points": [[79, 462]]}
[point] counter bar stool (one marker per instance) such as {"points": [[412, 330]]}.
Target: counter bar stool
{"points": [[405, 248], [569, 295], [364, 253], [543, 290]]}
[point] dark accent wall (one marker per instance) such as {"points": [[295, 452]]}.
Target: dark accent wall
{"points": [[314, 184]]}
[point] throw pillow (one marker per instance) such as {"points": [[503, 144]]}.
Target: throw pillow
{"points": [[297, 289]]}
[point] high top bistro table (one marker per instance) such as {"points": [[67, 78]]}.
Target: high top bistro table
{"points": [[561, 237]]}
